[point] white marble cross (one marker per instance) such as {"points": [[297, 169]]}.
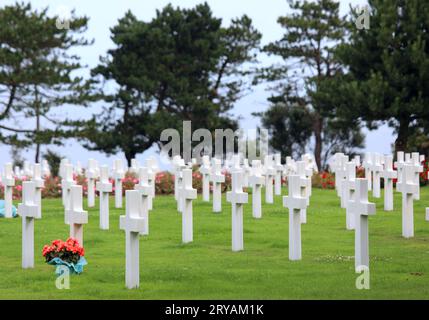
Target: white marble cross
{"points": [[133, 224], [217, 179], [415, 161], [399, 164], [356, 159], [66, 184], [337, 167], [427, 209], [28, 211], [135, 165], [310, 168], [235, 163], [388, 175], [269, 172], [341, 173], [104, 187], [8, 181], [187, 194], [407, 157], [367, 164], [91, 175], [62, 174], [310, 162], [409, 189], [295, 202], [152, 168], [176, 168], [78, 168], [256, 180], [278, 167], [205, 171], [290, 167], [237, 198], [46, 170], [227, 164], [145, 191], [118, 175], [40, 184], [17, 172], [360, 209], [349, 186], [377, 169], [178, 178], [28, 170], [75, 216], [302, 173], [246, 172], [154, 164]]}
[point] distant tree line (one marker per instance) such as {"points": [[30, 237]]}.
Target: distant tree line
{"points": [[333, 79]]}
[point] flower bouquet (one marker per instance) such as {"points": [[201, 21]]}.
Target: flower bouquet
{"points": [[68, 253]]}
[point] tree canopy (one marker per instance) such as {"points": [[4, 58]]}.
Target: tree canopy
{"points": [[387, 78], [37, 73], [181, 65]]}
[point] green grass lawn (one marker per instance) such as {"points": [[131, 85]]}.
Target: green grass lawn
{"points": [[208, 269]]}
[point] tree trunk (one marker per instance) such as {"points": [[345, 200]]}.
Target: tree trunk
{"points": [[37, 109], [401, 141], [129, 155], [318, 128]]}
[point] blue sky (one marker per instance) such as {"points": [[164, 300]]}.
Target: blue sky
{"points": [[104, 14]]}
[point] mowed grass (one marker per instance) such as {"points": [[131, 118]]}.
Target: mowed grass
{"points": [[208, 269]]}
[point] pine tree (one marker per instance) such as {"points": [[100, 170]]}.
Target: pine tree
{"points": [[299, 106], [37, 75], [181, 65], [388, 70]]}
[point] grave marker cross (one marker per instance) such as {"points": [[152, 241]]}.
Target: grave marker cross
{"points": [[278, 167], [270, 172], [145, 191], [360, 209], [28, 211], [256, 180], [388, 175], [409, 189], [205, 171], [76, 217], [301, 172], [133, 224], [104, 187], [8, 181], [295, 202], [187, 194], [67, 183], [91, 174], [118, 175], [399, 164], [377, 169], [39, 184], [350, 192], [217, 179], [367, 164], [237, 198]]}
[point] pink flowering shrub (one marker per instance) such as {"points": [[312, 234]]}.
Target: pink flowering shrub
{"points": [[164, 184]]}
